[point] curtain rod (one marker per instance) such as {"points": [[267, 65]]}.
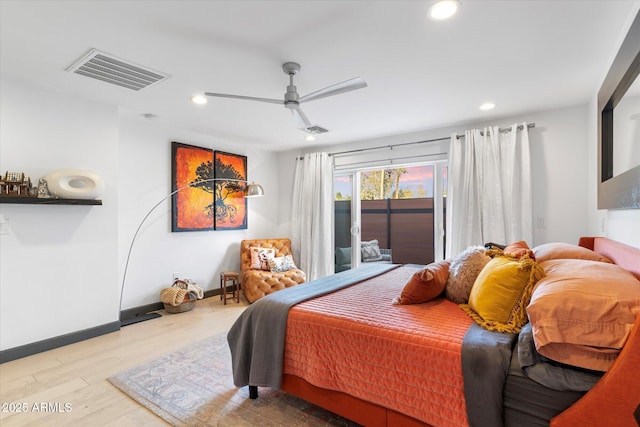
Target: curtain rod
{"points": [[390, 161], [391, 147], [503, 130]]}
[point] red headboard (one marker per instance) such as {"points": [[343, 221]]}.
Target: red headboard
{"points": [[625, 256]]}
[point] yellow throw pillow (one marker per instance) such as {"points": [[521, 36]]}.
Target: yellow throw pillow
{"points": [[500, 294]]}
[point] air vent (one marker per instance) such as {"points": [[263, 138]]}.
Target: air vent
{"points": [[103, 66], [315, 129]]}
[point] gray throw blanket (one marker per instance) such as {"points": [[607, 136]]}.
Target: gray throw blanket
{"points": [[486, 357], [256, 339], [549, 373]]}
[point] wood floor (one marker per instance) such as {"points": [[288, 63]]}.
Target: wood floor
{"points": [[69, 384]]}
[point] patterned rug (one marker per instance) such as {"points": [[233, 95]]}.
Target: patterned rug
{"points": [[193, 386]]}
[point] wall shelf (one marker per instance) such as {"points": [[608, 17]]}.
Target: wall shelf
{"points": [[42, 201]]}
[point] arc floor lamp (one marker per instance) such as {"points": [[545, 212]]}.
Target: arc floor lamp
{"points": [[251, 190]]}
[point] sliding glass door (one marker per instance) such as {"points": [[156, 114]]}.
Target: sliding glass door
{"points": [[401, 209], [346, 221]]}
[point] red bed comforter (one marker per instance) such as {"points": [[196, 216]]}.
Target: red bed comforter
{"points": [[403, 357]]}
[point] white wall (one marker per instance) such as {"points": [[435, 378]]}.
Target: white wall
{"points": [[61, 267], [145, 176], [559, 152], [58, 264]]}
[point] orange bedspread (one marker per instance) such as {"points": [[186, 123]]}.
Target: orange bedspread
{"points": [[406, 358]]}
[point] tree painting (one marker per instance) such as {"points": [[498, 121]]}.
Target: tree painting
{"points": [[205, 172], [230, 205], [191, 205]]}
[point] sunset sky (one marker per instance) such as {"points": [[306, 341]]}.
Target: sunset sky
{"points": [[415, 176]]}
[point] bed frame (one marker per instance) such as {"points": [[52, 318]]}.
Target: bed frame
{"points": [[614, 397]]}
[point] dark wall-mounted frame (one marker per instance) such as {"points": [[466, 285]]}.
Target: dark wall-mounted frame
{"points": [[623, 190], [193, 207]]}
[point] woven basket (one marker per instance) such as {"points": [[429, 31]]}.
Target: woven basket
{"points": [[186, 305]]}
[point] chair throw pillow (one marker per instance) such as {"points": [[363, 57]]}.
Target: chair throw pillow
{"points": [[281, 264], [425, 285], [343, 256], [463, 271], [260, 257], [370, 251]]}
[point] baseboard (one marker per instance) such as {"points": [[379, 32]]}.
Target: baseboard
{"points": [[131, 313], [55, 342], [74, 337]]}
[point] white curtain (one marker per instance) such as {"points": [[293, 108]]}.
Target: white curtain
{"points": [[312, 224], [489, 196]]}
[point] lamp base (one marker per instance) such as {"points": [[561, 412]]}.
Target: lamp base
{"points": [[139, 318]]}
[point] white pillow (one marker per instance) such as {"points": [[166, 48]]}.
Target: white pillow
{"points": [[370, 251], [281, 264], [260, 257]]}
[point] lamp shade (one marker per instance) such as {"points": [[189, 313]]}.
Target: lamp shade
{"points": [[253, 190]]}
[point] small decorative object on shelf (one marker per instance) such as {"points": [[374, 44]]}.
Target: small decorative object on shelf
{"points": [[74, 184], [16, 184], [78, 188], [43, 189]]}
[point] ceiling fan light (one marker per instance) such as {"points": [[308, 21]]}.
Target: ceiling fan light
{"points": [[443, 9], [487, 106], [310, 138]]}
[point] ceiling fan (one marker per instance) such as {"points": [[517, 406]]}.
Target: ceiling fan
{"points": [[292, 100]]}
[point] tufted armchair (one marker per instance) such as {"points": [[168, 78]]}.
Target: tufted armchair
{"points": [[258, 283]]}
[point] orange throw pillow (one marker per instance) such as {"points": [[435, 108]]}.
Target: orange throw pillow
{"points": [[518, 250], [583, 311], [559, 250], [425, 284]]}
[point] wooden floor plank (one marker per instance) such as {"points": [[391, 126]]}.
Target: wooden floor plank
{"points": [[77, 374]]}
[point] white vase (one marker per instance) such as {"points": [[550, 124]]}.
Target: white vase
{"points": [[75, 184]]}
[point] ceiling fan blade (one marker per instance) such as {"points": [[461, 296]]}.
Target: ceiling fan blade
{"points": [[346, 86], [248, 98], [300, 118]]}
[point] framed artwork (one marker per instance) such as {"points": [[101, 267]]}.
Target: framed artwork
{"points": [[230, 203], [192, 207]]}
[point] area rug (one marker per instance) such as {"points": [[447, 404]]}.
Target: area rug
{"points": [[193, 386]]}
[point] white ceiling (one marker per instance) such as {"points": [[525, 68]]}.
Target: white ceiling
{"points": [[522, 55]]}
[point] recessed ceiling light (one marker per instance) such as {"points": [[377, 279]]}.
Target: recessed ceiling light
{"points": [[443, 9], [487, 106], [199, 99], [310, 138]]}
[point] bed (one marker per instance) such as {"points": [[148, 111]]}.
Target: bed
{"points": [[339, 343]]}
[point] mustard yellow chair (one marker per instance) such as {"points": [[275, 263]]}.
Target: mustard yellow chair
{"points": [[257, 283]]}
